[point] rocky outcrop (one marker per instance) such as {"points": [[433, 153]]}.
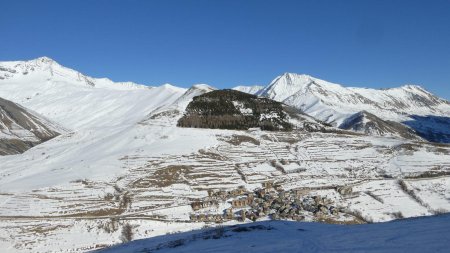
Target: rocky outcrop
{"points": [[370, 124], [21, 129]]}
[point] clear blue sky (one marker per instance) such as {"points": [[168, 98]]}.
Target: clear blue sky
{"points": [[379, 43]]}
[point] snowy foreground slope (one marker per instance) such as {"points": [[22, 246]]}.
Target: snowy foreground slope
{"points": [[123, 162], [419, 235]]}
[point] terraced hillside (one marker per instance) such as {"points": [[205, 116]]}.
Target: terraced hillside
{"points": [[155, 191]]}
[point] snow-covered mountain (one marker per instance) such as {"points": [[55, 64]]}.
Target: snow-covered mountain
{"points": [[21, 129], [100, 116], [123, 163], [336, 104], [46, 68], [77, 101], [333, 103]]}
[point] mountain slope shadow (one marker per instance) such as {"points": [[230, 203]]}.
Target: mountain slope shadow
{"points": [[431, 128]]}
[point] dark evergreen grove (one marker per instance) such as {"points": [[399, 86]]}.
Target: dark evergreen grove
{"points": [[230, 109]]}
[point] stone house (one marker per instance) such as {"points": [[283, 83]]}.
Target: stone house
{"points": [[318, 200], [214, 218], [298, 217], [283, 194], [334, 210], [228, 213], [267, 184], [243, 215], [197, 205], [344, 190], [252, 216], [261, 192], [202, 217], [222, 194], [237, 203], [299, 192], [278, 187], [237, 192]]}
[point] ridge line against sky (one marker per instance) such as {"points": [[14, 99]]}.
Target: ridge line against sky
{"points": [[374, 44]]}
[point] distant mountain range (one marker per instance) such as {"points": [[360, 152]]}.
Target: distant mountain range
{"points": [[421, 112], [410, 105]]}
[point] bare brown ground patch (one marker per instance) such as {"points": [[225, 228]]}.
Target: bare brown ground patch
{"points": [[164, 177], [330, 220], [39, 229], [237, 140]]}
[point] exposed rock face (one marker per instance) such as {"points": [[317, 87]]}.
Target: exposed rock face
{"points": [[368, 123], [230, 109], [21, 129]]}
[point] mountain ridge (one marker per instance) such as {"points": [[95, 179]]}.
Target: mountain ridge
{"points": [[45, 80], [46, 65], [335, 104]]}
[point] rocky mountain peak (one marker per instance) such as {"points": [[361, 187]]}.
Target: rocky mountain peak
{"points": [[44, 59]]}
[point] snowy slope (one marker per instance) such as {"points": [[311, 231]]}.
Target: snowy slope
{"points": [[411, 235], [176, 109], [249, 89], [101, 117], [77, 101]]}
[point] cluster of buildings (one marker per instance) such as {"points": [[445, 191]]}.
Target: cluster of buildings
{"points": [[268, 201]]}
